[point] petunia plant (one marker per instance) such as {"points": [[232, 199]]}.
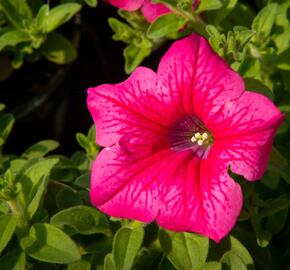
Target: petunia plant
{"points": [[186, 165], [171, 137]]}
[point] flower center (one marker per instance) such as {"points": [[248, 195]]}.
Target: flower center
{"points": [[202, 139], [189, 133]]}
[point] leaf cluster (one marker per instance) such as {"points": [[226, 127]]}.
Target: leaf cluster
{"points": [[29, 30]]}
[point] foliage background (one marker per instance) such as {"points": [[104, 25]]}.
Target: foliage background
{"points": [[46, 221]]}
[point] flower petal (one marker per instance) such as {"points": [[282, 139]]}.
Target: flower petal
{"points": [[182, 192], [247, 155], [128, 109], [244, 132], [130, 188], [152, 11], [198, 80], [248, 114], [129, 5], [202, 198]]}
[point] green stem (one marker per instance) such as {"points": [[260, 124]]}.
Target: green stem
{"points": [[195, 21]]}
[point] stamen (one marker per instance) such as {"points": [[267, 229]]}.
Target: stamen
{"points": [[200, 139], [204, 135], [193, 139]]}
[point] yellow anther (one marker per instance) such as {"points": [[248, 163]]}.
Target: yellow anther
{"points": [[200, 142], [200, 139], [205, 136], [193, 139]]}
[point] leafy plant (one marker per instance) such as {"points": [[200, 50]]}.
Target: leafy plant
{"points": [[46, 218], [29, 30]]}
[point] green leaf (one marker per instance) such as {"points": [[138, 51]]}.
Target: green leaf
{"points": [[80, 161], [165, 24], [227, 7], [40, 149], [134, 56], [79, 265], [216, 39], [250, 68], [7, 227], [41, 16], [126, 244], [2, 107], [18, 59], [233, 261], [242, 14], [165, 264], [263, 237], [206, 5], [66, 198], [33, 183], [123, 32], [92, 133], [264, 21], [282, 40], [184, 250], [149, 258], [109, 263], [243, 35], [92, 3], [58, 49], [271, 179], [6, 123], [274, 206], [14, 260], [281, 37], [279, 164], [65, 170], [4, 209], [60, 15], [12, 38], [82, 219], [86, 143], [257, 86], [18, 166], [83, 181], [239, 249], [283, 60], [17, 12], [49, 244], [276, 222], [210, 266], [135, 19]]}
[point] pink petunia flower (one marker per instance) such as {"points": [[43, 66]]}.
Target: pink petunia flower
{"points": [[171, 136], [151, 11]]}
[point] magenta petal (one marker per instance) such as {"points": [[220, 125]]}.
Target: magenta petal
{"points": [[247, 155], [249, 113], [152, 11], [199, 81], [244, 132], [201, 198], [129, 5], [193, 195], [129, 109], [202, 84], [128, 188]]}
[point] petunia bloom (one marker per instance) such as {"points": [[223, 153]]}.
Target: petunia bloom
{"points": [[151, 11], [171, 136]]}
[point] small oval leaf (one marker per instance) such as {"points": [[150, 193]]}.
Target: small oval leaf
{"points": [[49, 244]]}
